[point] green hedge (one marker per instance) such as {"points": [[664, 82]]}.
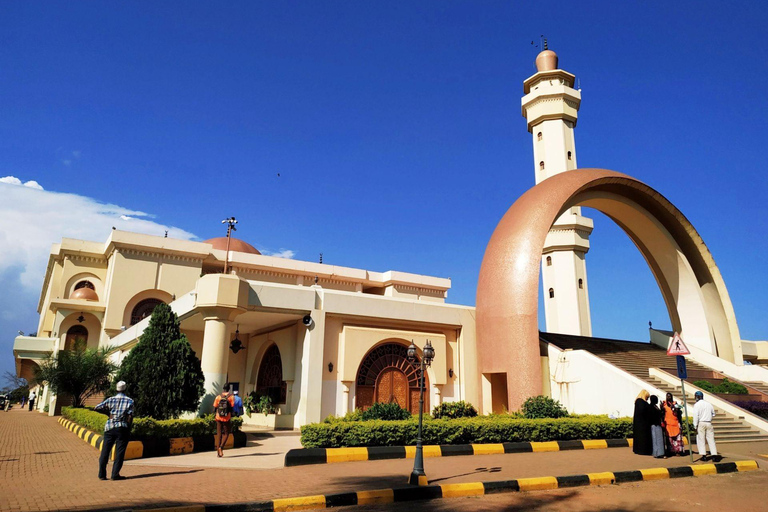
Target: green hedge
{"points": [[494, 429], [149, 427]]}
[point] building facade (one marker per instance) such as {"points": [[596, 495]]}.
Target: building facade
{"points": [[318, 339]]}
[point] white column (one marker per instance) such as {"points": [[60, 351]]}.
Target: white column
{"points": [[215, 358], [345, 388], [308, 409]]}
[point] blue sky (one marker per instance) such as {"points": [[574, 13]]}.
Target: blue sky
{"points": [[395, 130]]}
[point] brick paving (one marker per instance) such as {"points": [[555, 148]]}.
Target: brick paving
{"points": [[45, 467]]}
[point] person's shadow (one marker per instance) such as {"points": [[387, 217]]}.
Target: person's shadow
{"points": [[151, 475]]}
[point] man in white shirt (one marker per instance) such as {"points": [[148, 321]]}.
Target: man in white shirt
{"points": [[703, 412]]}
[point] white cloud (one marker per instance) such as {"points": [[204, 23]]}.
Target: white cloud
{"points": [[13, 180], [31, 219], [282, 253]]}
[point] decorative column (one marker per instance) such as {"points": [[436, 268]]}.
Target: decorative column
{"points": [[215, 357], [221, 298], [345, 388]]}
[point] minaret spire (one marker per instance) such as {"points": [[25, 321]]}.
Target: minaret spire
{"points": [[551, 106]]}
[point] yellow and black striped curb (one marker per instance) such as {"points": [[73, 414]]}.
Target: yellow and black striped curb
{"points": [[431, 492], [303, 456], [155, 446]]}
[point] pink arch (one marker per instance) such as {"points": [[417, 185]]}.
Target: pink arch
{"points": [[508, 284]]}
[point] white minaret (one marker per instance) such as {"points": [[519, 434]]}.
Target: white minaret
{"points": [[551, 106]]}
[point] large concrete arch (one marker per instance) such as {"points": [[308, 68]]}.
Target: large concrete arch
{"points": [[508, 286]]}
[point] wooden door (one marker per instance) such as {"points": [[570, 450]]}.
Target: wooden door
{"points": [[392, 386]]}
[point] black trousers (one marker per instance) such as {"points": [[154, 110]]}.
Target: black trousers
{"points": [[117, 437]]}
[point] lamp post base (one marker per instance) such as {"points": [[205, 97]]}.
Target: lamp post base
{"points": [[418, 478]]}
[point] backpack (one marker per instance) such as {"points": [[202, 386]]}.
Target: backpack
{"points": [[224, 408]]}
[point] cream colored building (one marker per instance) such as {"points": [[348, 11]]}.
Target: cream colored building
{"points": [[350, 354]]}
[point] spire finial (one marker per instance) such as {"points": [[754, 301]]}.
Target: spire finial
{"points": [[545, 44]]}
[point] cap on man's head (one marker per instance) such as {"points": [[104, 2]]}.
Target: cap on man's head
{"points": [[120, 386], [699, 394]]}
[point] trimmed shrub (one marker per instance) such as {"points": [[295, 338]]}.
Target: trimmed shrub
{"points": [[543, 407], [725, 386], [382, 411], [356, 415], [485, 429], [149, 427], [451, 410], [754, 406]]}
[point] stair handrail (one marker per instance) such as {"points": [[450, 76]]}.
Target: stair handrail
{"points": [[734, 410]]}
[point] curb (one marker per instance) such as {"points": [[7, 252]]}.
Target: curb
{"points": [[304, 456], [157, 447], [413, 493]]}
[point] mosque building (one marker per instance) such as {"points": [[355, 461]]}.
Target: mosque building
{"points": [[321, 339]]}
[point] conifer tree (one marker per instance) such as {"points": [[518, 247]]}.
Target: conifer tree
{"points": [[163, 374]]}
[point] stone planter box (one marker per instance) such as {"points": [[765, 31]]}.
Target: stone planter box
{"points": [[269, 421]]}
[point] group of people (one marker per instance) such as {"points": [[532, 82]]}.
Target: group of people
{"points": [[657, 427], [117, 430]]}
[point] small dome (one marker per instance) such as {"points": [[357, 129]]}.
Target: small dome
{"points": [[84, 294], [236, 245], [546, 61]]}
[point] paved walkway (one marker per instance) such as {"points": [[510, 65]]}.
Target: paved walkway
{"points": [[263, 451], [45, 467]]}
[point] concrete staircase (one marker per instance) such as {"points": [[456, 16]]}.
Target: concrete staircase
{"points": [[636, 358], [762, 386]]}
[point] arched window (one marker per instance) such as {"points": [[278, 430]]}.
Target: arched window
{"points": [[538, 136], [270, 380], [77, 334], [549, 261], [551, 293], [541, 165], [143, 309], [84, 284], [581, 284], [570, 156]]}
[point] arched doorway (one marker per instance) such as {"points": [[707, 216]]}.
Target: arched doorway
{"points": [[385, 375], [75, 334], [269, 381], [508, 285], [144, 309]]}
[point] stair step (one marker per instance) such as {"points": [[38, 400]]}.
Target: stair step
{"points": [[750, 440]]}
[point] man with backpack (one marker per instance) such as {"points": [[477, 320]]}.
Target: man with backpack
{"points": [[224, 405]]}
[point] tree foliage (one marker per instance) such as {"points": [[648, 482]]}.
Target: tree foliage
{"points": [[163, 375], [543, 407], [80, 372], [15, 387]]}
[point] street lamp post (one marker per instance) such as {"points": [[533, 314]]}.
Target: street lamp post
{"points": [[418, 476]]}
